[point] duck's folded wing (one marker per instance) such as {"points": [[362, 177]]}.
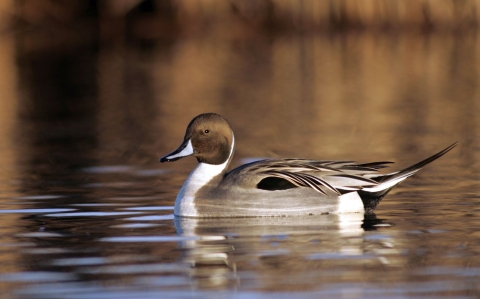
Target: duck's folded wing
{"points": [[335, 177]]}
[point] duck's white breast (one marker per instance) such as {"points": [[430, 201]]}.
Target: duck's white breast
{"points": [[200, 177]]}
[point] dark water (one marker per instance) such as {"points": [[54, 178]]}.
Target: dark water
{"points": [[87, 210]]}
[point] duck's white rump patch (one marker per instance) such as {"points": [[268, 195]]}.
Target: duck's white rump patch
{"points": [[350, 203]]}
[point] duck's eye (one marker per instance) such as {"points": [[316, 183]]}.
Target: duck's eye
{"points": [[207, 131]]}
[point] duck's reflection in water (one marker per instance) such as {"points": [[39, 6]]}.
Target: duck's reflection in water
{"points": [[278, 253]]}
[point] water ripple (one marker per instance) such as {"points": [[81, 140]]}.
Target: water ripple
{"points": [[34, 211], [91, 214], [129, 239]]}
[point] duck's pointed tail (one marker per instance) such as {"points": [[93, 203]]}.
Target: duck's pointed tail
{"points": [[372, 196]]}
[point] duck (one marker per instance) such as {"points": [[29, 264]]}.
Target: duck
{"points": [[275, 187]]}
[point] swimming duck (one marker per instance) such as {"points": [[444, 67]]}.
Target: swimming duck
{"points": [[274, 187]]}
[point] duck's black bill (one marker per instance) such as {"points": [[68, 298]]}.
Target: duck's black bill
{"points": [[184, 150]]}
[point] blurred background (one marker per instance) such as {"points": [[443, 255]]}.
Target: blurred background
{"points": [[113, 82]]}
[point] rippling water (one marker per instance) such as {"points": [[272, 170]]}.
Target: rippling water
{"points": [[86, 210]]}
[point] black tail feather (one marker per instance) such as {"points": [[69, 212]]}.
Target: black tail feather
{"points": [[414, 168], [372, 199]]}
